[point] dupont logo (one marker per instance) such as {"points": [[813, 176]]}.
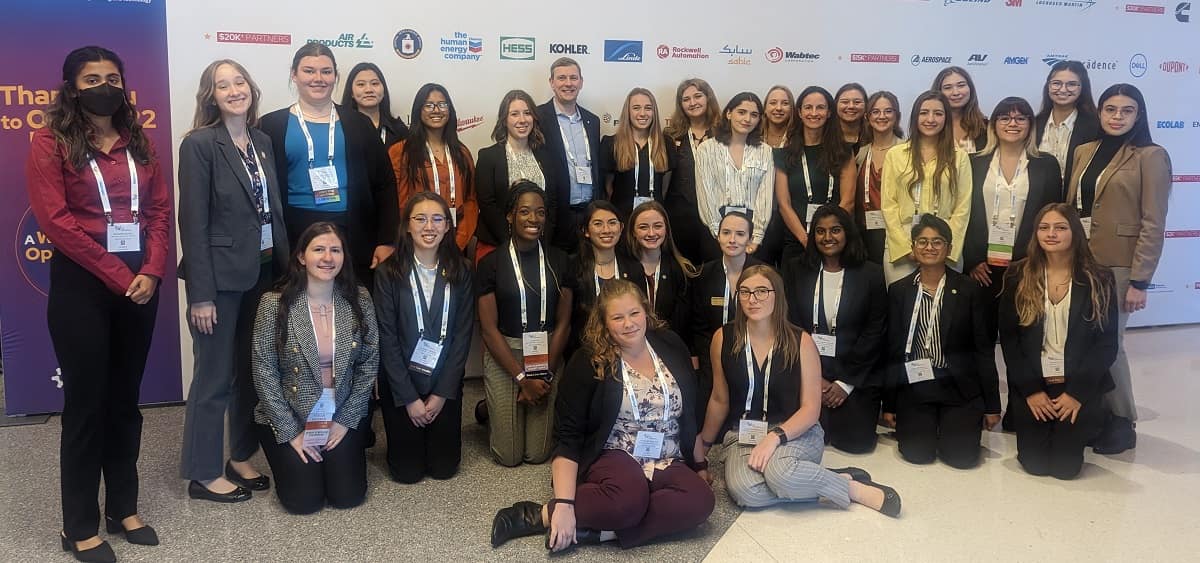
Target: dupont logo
{"points": [[255, 38], [1144, 9], [517, 48], [775, 55], [622, 51], [874, 58], [1138, 65], [1173, 66], [977, 59], [470, 123], [919, 60], [1016, 60], [1183, 12], [1053, 59]]}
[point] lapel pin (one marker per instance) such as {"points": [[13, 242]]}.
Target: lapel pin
{"points": [[954, 291]]}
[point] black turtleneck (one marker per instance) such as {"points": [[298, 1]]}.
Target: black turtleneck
{"points": [[1109, 145]]}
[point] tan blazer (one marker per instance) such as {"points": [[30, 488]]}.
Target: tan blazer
{"points": [[1129, 213]]}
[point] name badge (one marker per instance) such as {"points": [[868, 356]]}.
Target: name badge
{"points": [[266, 241], [324, 184], [919, 370], [751, 432], [454, 216], [1001, 240], [717, 301], [583, 174], [536, 348], [874, 220], [638, 200], [124, 237], [649, 444], [916, 218], [826, 344], [809, 212], [1087, 226], [320, 421], [734, 208], [1053, 368], [425, 357]]}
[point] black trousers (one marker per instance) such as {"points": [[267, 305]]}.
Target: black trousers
{"points": [[101, 340], [934, 421], [851, 426], [690, 234], [566, 228], [1054, 448], [413, 453], [873, 239], [304, 488]]}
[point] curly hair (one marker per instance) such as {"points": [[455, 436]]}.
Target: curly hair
{"points": [[604, 352]]}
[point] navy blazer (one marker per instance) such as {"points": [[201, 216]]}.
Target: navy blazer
{"points": [[587, 408], [1086, 130], [492, 188], [1045, 187], [548, 119], [861, 320]]}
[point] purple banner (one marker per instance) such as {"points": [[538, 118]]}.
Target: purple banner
{"points": [[44, 31]]}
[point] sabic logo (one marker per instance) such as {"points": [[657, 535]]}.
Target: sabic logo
{"points": [[1170, 125], [1016, 60], [1173, 66], [1138, 65], [1183, 12], [977, 59]]}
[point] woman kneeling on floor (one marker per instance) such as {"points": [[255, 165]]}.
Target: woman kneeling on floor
{"points": [[625, 426]]}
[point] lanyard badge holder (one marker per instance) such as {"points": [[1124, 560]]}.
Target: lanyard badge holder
{"points": [[810, 208], [266, 239], [324, 179], [826, 343], [649, 444], [616, 275], [427, 353], [1002, 237], [922, 369], [535, 346], [583, 172], [874, 219], [750, 431], [637, 169], [121, 237], [1054, 366], [320, 419], [723, 301], [437, 181]]}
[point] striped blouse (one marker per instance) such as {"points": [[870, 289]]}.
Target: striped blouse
{"points": [[720, 183]]}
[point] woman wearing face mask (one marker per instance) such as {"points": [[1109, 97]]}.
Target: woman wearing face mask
{"points": [[637, 160], [335, 168], [316, 353], [778, 116], [1120, 184], [842, 297], [432, 159], [927, 174], [1068, 116], [600, 260], [697, 113], [367, 92], [1058, 329], [811, 169], [520, 153], [851, 100], [766, 405], [425, 303], [969, 123], [667, 273], [734, 170], [883, 133], [96, 190], [524, 293], [942, 387], [219, 159]]}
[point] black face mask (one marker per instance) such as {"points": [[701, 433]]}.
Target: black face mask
{"points": [[103, 100]]}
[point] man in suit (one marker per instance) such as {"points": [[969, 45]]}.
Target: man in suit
{"points": [[573, 139]]}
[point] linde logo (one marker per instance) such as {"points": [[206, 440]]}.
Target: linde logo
{"points": [[919, 60], [1170, 125], [1182, 12], [569, 48], [1173, 66], [1144, 9], [977, 59], [1138, 65], [622, 51], [874, 58], [517, 48], [1080, 4], [1016, 60], [347, 40]]}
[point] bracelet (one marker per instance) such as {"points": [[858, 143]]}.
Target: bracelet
{"points": [[556, 501], [706, 443], [700, 465]]}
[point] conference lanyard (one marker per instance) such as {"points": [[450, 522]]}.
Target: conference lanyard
{"points": [[931, 326], [383, 135], [332, 332], [1012, 192], [830, 316], [512, 253], [616, 274], [750, 378], [587, 145], [134, 196], [662, 382], [637, 168], [261, 179], [725, 302], [808, 182], [437, 182], [652, 292], [420, 308], [308, 138], [1054, 329], [866, 178]]}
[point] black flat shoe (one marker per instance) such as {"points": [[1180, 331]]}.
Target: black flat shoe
{"points": [[260, 483], [102, 553], [1118, 435], [855, 473], [481, 412], [583, 536], [140, 536], [197, 490], [891, 499], [522, 519]]}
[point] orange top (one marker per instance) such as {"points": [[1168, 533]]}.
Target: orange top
{"points": [[466, 204]]}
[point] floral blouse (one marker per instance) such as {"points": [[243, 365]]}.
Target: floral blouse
{"points": [[523, 166], [650, 407]]}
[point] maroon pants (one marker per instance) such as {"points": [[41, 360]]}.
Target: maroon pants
{"points": [[616, 496]]}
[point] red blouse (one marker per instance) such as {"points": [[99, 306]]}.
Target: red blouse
{"points": [[66, 203]]}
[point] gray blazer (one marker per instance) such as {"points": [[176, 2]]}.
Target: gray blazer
{"points": [[219, 227], [289, 384]]}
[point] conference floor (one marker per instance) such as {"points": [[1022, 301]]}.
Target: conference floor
{"points": [[1137, 506]]}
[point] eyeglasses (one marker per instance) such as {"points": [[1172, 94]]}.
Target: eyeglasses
{"points": [[759, 293], [935, 243], [430, 106], [878, 112], [438, 220], [1059, 85], [1007, 119]]}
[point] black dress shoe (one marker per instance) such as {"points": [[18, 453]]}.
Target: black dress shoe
{"points": [[197, 490], [855, 473], [1118, 436], [891, 499], [140, 536], [102, 553], [481, 412], [522, 519], [260, 483]]}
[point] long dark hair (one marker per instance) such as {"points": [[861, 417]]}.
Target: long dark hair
{"points": [[385, 103], [415, 154], [723, 132], [855, 251], [834, 150], [295, 281], [587, 256], [897, 130], [679, 123], [1084, 104], [453, 266], [1029, 273], [862, 119], [71, 126], [946, 159], [973, 120], [1139, 136], [500, 131]]}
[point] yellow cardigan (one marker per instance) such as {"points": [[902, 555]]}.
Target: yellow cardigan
{"points": [[898, 208]]}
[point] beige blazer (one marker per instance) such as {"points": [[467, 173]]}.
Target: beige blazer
{"points": [[1129, 212]]}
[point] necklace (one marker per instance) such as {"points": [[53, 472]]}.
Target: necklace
{"points": [[422, 264], [599, 263]]}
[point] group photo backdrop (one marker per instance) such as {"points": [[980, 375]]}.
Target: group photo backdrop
{"points": [[479, 50]]}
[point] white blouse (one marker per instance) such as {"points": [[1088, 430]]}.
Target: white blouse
{"points": [[720, 183]]}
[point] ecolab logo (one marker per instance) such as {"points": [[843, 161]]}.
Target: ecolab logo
{"points": [[1016, 60], [1144, 9], [1173, 66], [1170, 125], [568, 49], [874, 58], [517, 48]]}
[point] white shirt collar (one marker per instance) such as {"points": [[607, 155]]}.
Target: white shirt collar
{"points": [[1069, 121]]}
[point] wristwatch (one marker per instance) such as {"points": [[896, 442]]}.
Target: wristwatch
{"points": [[520, 377], [779, 432]]}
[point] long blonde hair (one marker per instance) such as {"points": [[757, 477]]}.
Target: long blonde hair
{"points": [[605, 352], [207, 112], [1030, 273], [625, 146], [787, 335]]}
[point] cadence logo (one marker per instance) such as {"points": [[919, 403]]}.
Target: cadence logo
{"points": [[775, 54], [461, 47], [874, 58], [1173, 67], [407, 44], [1093, 64], [622, 51], [346, 40], [517, 48], [673, 52], [977, 59], [1138, 65], [1016, 60], [256, 38], [1144, 9], [1182, 12], [919, 60], [568, 49], [1080, 4]]}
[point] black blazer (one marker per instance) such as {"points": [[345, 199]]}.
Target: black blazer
{"points": [[587, 408], [705, 318], [681, 193], [492, 187], [548, 120], [393, 131], [585, 294], [861, 320], [373, 212], [968, 349], [398, 334], [1090, 351], [219, 228], [1045, 187], [1086, 130], [672, 288]]}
